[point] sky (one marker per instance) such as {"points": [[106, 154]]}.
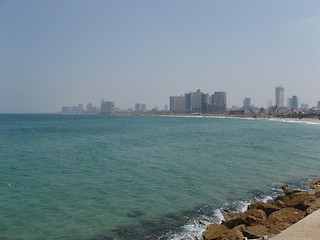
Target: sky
{"points": [[56, 53]]}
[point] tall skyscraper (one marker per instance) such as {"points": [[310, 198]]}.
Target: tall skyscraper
{"points": [[219, 98], [219, 103], [280, 96], [107, 107], [294, 102], [177, 104], [318, 104], [246, 104], [196, 102], [139, 107]]}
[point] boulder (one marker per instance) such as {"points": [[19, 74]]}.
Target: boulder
{"points": [[284, 218], [314, 207], [221, 232], [248, 218], [288, 191], [268, 208], [300, 201], [229, 214], [314, 183], [202, 222], [280, 201], [256, 231]]}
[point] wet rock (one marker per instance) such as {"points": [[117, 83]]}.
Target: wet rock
{"points": [[314, 183], [202, 222], [256, 231], [283, 219], [268, 208], [288, 191], [229, 214], [248, 218], [221, 232]]}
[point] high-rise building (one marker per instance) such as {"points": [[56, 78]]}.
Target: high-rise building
{"points": [[319, 104], [140, 107], [107, 107], [218, 103], [177, 104], [294, 102], [65, 109], [90, 108], [246, 104], [219, 98], [280, 96], [197, 101]]}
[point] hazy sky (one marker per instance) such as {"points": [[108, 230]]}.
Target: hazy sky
{"points": [[55, 53]]}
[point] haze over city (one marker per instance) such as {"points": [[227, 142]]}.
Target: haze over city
{"points": [[57, 53]]}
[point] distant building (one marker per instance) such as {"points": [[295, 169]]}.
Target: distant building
{"points": [[74, 109], [294, 102], [304, 106], [107, 107], [279, 96], [246, 104], [235, 107], [89, 108], [218, 103], [65, 109], [140, 108], [177, 104], [80, 108], [197, 102]]}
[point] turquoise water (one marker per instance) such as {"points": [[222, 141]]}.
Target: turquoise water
{"points": [[141, 177]]}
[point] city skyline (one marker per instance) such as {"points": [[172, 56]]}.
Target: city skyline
{"points": [[198, 102], [56, 53]]}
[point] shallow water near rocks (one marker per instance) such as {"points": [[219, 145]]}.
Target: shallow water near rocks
{"points": [[142, 177]]}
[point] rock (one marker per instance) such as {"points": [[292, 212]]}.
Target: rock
{"points": [[287, 191], [314, 207], [280, 201], [283, 219], [229, 214], [285, 187], [268, 208], [248, 218], [314, 183], [300, 201], [202, 222], [256, 231], [220, 232]]}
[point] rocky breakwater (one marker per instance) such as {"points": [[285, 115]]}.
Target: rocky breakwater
{"points": [[264, 220]]}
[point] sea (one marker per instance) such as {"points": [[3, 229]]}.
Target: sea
{"points": [[107, 177]]}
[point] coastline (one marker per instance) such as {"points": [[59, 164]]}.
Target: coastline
{"points": [[269, 220]]}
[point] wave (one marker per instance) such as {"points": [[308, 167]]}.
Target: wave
{"points": [[309, 122]]}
